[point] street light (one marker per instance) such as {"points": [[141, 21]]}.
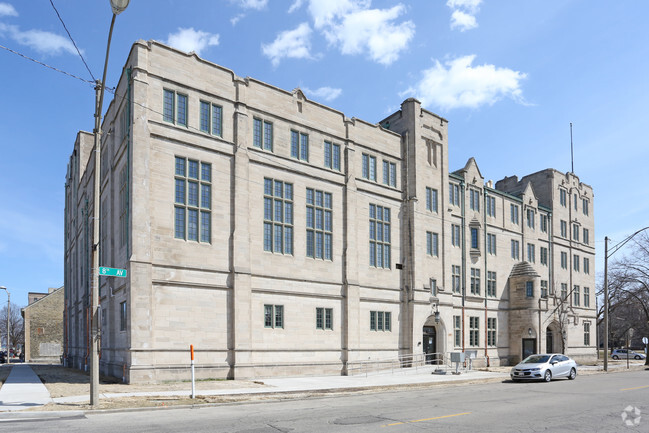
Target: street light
{"points": [[615, 249], [118, 6], [8, 298]]}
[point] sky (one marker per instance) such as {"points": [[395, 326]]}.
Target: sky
{"points": [[509, 76]]}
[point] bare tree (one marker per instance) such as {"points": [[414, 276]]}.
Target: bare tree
{"points": [[16, 326]]}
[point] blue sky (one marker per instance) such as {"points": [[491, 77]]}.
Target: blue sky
{"points": [[510, 76]]}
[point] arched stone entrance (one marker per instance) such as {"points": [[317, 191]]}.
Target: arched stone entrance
{"points": [[552, 339], [431, 345]]}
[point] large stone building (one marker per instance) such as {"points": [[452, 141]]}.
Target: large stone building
{"points": [[43, 320], [279, 236]]}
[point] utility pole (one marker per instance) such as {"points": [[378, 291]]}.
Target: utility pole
{"points": [[605, 304]]}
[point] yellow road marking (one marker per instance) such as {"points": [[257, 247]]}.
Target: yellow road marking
{"points": [[637, 387], [426, 419]]}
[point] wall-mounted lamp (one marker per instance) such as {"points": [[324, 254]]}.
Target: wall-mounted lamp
{"points": [[436, 316], [529, 331]]}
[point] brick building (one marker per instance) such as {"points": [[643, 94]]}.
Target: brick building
{"points": [[43, 319]]}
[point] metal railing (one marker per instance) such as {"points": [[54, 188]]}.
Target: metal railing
{"points": [[402, 363]]}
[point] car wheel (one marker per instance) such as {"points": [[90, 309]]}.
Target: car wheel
{"points": [[547, 376], [615, 357], [573, 374], [637, 357]]}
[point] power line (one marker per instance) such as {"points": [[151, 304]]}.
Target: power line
{"points": [[46, 65], [73, 43]]}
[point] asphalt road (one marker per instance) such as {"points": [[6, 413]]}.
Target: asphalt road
{"points": [[593, 403]]}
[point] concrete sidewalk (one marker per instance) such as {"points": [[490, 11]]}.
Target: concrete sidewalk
{"points": [[22, 390]]}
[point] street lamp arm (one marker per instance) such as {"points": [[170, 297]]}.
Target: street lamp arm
{"points": [[619, 245]]}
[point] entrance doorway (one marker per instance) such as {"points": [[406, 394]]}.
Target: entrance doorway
{"points": [[549, 341], [430, 344], [529, 347]]}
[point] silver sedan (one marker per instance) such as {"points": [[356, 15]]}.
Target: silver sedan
{"points": [[544, 367]]}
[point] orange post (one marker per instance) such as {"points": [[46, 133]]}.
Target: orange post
{"points": [[191, 349]]}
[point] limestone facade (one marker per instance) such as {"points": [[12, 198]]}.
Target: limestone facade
{"points": [[279, 236]]}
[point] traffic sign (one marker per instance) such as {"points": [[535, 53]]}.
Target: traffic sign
{"points": [[112, 272], [645, 340]]}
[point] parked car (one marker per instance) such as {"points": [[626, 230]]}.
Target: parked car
{"points": [[623, 353], [545, 367]]}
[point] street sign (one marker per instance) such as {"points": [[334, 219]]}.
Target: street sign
{"points": [[112, 272], [645, 340]]}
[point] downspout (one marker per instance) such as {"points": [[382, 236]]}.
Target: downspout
{"points": [[128, 161], [486, 273], [411, 266], [462, 240]]}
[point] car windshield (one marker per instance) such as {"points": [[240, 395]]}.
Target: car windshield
{"points": [[536, 359]]}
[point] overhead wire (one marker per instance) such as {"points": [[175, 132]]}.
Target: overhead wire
{"points": [[73, 42]]}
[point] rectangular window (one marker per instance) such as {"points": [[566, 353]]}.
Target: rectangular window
{"points": [[211, 118], [324, 318], [491, 284], [564, 229], [474, 331], [332, 155], [576, 296], [457, 330], [531, 253], [530, 218], [544, 288], [122, 316], [380, 321], [455, 277], [475, 243], [575, 263], [389, 173], [491, 206], [575, 232], [529, 289], [564, 260], [491, 244], [515, 249], [586, 265], [544, 256], [586, 334], [193, 200], [575, 197], [474, 200], [491, 331], [455, 235], [564, 291], [513, 210], [369, 167], [432, 244], [562, 197], [174, 108], [544, 223], [273, 316], [475, 281], [586, 238], [431, 199], [123, 207], [454, 194], [586, 297], [584, 204], [278, 216], [262, 134], [379, 236], [433, 287], [319, 225], [299, 145]]}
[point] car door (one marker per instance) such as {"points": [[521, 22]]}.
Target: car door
{"points": [[565, 365], [555, 366]]}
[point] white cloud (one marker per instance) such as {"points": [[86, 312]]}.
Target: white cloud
{"points": [[325, 93], [251, 4], [235, 19], [373, 30], [192, 40], [41, 41], [354, 28], [463, 21], [463, 16], [458, 83], [290, 44], [297, 4], [7, 10]]}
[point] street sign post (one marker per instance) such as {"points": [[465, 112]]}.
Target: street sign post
{"points": [[112, 272]]}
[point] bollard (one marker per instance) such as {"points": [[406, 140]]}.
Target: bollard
{"points": [[191, 349]]}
